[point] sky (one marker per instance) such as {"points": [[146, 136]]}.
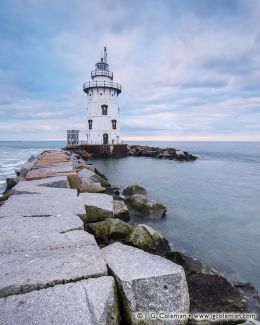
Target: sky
{"points": [[190, 69]]}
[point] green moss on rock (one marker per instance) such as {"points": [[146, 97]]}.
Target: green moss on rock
{"points": [[118, 229], [139, 206], [134, 189], [92, 188], [148, 239], [99, 230], [109, 229], [95, 214]]}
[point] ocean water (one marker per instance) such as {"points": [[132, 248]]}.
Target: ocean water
{"points": [[14, 154], [213, 203]]}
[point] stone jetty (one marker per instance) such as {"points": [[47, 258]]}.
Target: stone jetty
{"points": [[160, 153], [54, 272], [68, 255]]}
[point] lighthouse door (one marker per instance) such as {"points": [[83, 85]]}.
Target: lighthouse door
{"points": [[105, 138]]}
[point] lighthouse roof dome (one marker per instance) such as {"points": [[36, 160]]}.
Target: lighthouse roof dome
{"points": [[101, 65]]}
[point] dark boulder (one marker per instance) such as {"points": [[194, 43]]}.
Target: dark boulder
{"points": [[118, 230], [121, 210], [10, 183], [99, 230], [251, 296], [190, 265], [6, 196], [214, 294], [156, 152], [139, 206], [148, 239], [134, 189], [109, 230]]}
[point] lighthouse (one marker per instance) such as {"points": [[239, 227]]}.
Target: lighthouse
{"points": [[103, 125]]}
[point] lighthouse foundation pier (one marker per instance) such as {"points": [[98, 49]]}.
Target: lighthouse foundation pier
{"points": [[101, 150]]}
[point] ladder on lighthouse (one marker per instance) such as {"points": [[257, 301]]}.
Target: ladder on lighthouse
{"points": [[105, 150]]}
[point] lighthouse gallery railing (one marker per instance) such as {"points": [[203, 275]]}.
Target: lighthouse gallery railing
{"points": [[101, 73], [107, 84]]}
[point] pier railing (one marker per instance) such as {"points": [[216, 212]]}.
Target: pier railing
{"points": [[100, 83]]}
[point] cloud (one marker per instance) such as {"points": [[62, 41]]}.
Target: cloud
{"points": [[189, 70]]}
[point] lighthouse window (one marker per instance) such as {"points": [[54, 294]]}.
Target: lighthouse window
{"points": [[114, 124], [90, 122], [104, 109]]}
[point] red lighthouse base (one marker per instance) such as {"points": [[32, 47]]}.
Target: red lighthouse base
{"points": [[101, 150]]}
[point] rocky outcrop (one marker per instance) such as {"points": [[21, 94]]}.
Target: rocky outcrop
{"points": [[209, 291], [140, 206], [148, 239], [134, 189], [146, 283], [223, 296], [160, 153]]}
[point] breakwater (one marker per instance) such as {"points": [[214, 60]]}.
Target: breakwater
{"points": [[160, 153], [124, 150], [48, 254]]}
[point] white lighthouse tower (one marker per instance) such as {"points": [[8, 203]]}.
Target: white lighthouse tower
{"points": [[103, 127]]}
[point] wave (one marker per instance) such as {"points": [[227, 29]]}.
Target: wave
{"points": [[19, 163]]}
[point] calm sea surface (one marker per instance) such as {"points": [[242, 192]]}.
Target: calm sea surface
{"points": [[213, 203]]}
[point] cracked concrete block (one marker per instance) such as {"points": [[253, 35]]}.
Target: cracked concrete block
{"points": [[72, 256], [58, 181], [42, 204], [98, 206], [84, 302], [59, 169], [102, 295], [36, 233], [25, 187], [146, 282]]}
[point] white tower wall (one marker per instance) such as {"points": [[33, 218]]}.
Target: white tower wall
{"points": [[103, 125]]}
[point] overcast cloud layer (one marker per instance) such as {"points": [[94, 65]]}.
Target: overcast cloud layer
{"points": [[190, 70]]}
